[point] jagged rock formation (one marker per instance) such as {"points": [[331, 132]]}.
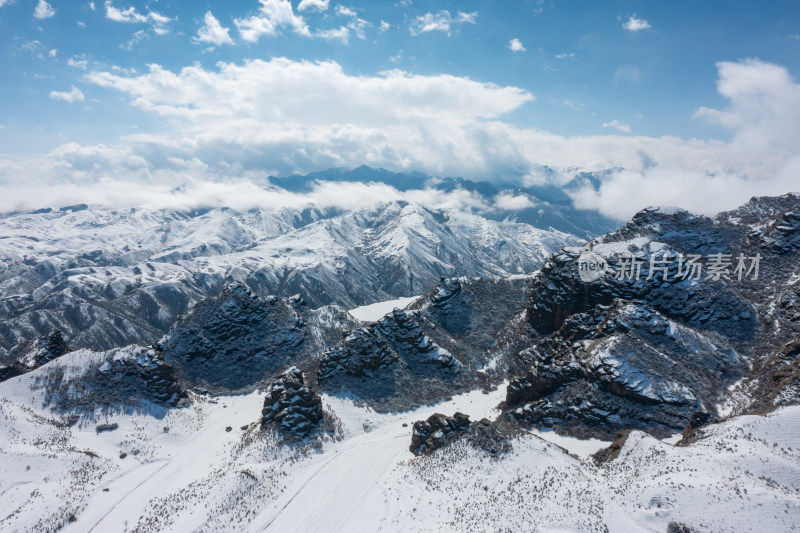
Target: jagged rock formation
{"points": [[41, 351], [237, 339], [648, 351], [456, 337], [290, 406], [392, 364], [85, 382], [433, 433], [480, 320], [47, 349], [624, 365]]}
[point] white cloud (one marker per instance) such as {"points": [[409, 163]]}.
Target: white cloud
{"points": [[213, 32], [31, 47], [617, 125], [320, 92], [565, 55], [43, 10], [761, 159], [132, 15], [134, 40], [341, 33], [638, 116], [77, 63], [52, 53], [467, 17], [345, 11], [511, 202], [313, 5], [74, 95], [764, 111], [441, 21], [397, 58], [225, 127], [356, 25], [272, 16], [384, 26], [515, 45], [92, 6], [5, 2], [635, 24]]}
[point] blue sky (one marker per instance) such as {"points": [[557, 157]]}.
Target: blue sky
{"points": [[621, 77]]}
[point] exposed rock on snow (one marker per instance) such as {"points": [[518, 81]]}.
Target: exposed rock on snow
{"points": [[290, 406], [84, 382], [433, 433], [647, 353], [237, 339]]}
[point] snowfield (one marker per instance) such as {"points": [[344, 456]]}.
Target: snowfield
{"points": [[376, 311], [182, 470]]}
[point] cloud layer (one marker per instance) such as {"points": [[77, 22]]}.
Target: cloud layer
{"points": [[235, 124]]}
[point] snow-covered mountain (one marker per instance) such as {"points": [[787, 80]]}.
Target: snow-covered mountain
{"points": [[109, 278], [649, 346], [648, 397]]}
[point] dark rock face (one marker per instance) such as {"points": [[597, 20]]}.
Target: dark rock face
{"points": [[647, 352], [479, 320], [777, 380], [45, 349], [8, 372], [237, 339], [393, 364], [48, 348], [612, 451], [132, 377], [696, 421], [457, 336], [433, 433], [624, 365], [290, 406]]}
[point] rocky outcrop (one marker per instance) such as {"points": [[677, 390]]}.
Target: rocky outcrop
{"points": [[393, 365], [696, 421], [43, 350], [776, 381], [46, 349], [433, 433], [133, 377], [237, 339], [290, 406], [612, 451], [651, 342], [618, 366]]}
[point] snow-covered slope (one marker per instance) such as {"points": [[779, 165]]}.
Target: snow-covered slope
{"points": [[207, 467]]}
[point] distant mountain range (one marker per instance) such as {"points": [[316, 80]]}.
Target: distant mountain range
{"points": [[108, 278]]}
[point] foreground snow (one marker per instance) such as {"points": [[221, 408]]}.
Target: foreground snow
{"points": [[183, 471]]}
